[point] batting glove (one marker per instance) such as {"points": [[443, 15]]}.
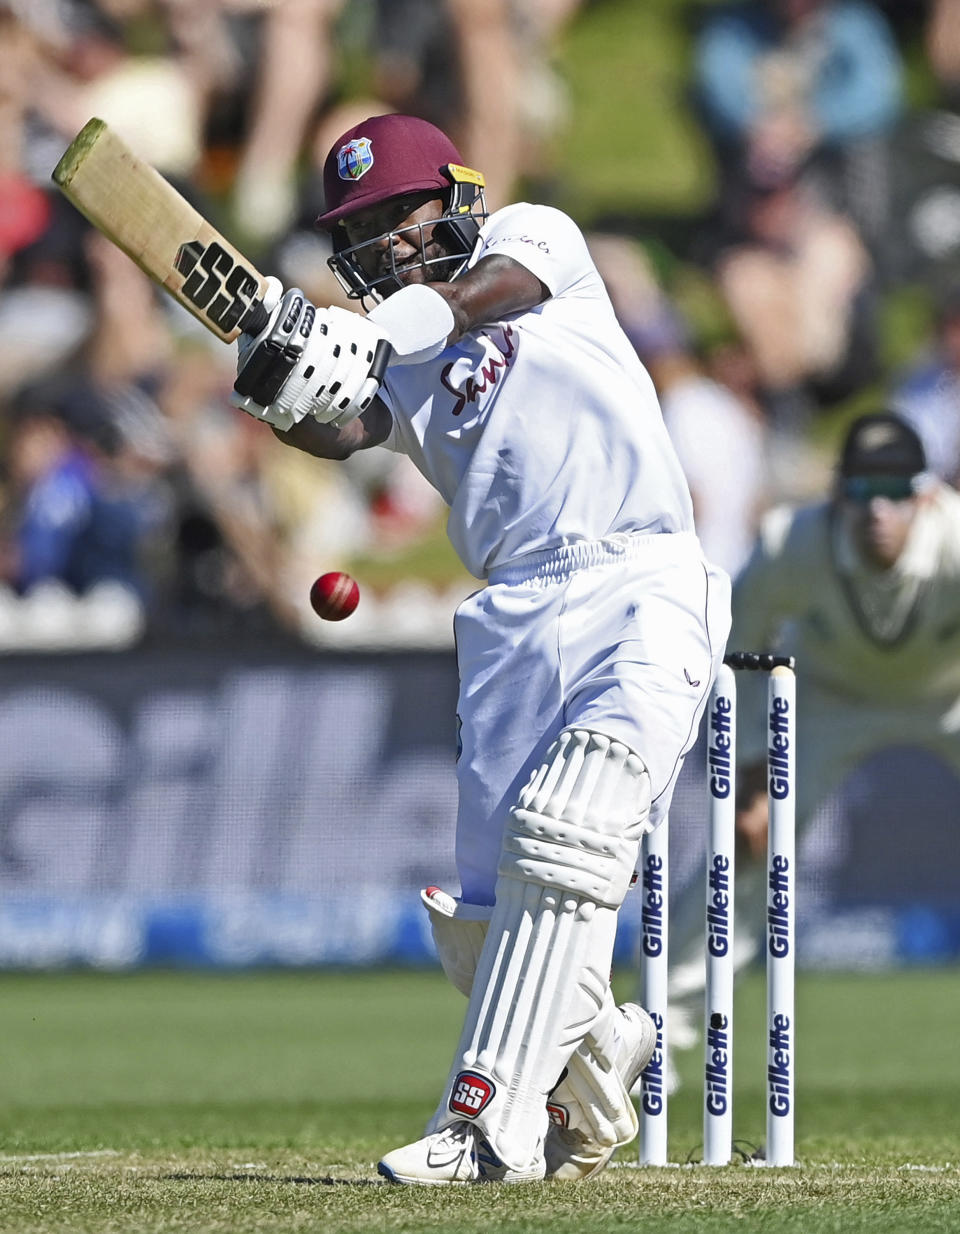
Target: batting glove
{"points": [[323, 363]]}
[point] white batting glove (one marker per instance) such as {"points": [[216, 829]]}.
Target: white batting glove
{"points": [[267, 359], [324, 363], [340, 371]]}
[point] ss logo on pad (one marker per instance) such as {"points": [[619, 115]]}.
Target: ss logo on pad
{"points": [[471, 1092]]}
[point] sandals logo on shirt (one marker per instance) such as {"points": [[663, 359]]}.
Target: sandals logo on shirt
{"points": [[490, 372], [522, 239], [354, 159]]}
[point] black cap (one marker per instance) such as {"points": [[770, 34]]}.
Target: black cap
{"points": [[882, 444]]}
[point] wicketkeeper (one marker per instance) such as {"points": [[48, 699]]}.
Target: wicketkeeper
{"points": [[586, 660], [863, 587]]}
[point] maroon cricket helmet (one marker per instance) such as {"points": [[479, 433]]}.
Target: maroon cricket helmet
{"points": [[391, 156], [383, 157]]}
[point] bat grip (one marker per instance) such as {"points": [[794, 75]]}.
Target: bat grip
{"points": [[255, 319], [381, 358]]}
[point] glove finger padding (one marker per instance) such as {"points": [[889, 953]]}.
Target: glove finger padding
{"points": [[314, 368], [341, 364], [323, 363]]}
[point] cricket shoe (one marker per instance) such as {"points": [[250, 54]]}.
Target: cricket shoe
{"points": [[455, 1154], [572, 1149]]}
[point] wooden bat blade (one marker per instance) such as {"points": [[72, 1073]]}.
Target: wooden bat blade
{"points": [[143, 214]]}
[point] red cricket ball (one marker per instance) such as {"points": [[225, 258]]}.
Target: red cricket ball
{"points": [[334, 596]]}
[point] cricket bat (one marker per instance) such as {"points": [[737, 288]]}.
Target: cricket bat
{"points": [[143, 214]]}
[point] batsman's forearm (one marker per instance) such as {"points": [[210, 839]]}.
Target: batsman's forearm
{"points": [[326, 441], [494, 288]]}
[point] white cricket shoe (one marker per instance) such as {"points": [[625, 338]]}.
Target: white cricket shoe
{"points": [[572, 1152], [456, 1154]]}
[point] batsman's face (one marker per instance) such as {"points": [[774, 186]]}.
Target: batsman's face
{"points": [[396, 238]]}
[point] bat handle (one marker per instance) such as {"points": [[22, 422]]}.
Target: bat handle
{"points": [[255, 319], [381, 358]]}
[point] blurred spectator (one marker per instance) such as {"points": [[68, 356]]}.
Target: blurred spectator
{"points": [[924, 244], [799, 284], [785, 83], [82, 63], [228, 553], [292, 72], [162, 379], [415, 56], [928, 396], [721, 439], [942, 39], [86, 451], [254, 527], [491, 76], [45, 312], [152, 101], [66, 517], [511, 101], [643, 309], [799, 97]]}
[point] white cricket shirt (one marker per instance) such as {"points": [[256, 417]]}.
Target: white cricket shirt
{"points": [[793, 593], [543, 429]]}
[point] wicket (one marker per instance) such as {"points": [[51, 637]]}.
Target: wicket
{"points": [[780, 915]]}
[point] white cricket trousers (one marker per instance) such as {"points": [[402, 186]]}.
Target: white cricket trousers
{"points": [[623, 636]]}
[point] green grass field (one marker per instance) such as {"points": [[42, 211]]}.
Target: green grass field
{"points": [[191, 1102]]}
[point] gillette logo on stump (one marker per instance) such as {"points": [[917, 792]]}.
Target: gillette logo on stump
{"points": [[471, 1092], [354, 159], [654, 903]]}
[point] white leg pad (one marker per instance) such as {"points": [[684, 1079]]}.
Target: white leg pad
{"points": [[542, 982], [580, 819], [590, 1109], [592, 1095]]}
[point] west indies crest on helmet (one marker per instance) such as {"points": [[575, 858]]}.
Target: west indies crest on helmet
{"points": [[394, 156]]}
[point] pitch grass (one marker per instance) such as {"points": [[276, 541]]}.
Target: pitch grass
{"points": [[194, 1103]]}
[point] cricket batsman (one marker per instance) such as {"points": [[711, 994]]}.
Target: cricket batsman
{"points": [[585, 660]]}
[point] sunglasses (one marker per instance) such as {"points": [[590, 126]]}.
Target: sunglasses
{"points": [[862, 489]]}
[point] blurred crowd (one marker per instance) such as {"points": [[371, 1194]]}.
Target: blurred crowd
{"points": [[123, 469]]}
